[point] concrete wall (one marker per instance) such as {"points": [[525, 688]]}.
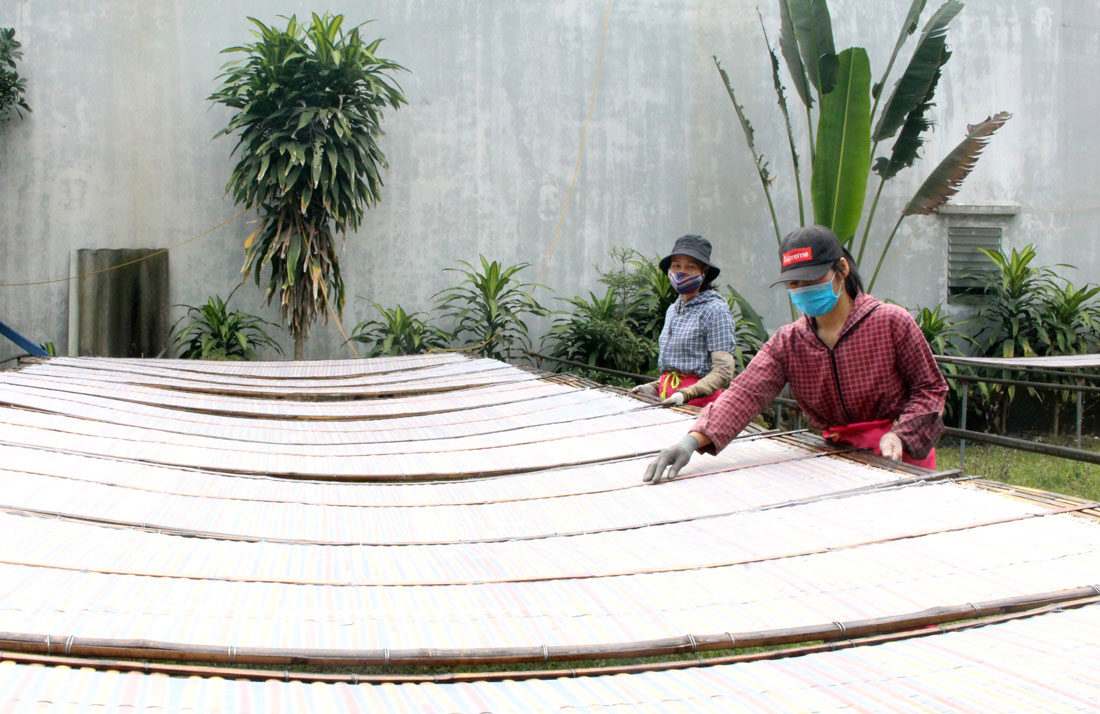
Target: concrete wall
{"points": [[118, 151]]}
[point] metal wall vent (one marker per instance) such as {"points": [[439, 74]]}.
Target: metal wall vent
{"points": [[964, 257]]}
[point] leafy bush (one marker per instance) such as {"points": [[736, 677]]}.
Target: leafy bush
{"points": [[1071, 319], [749, 328], [947, 338], [621, 329], [1027, 311], [618, 330], [216, 333], [653, 295], [600, 332], [308, 103], [398, 333], [488, 306], [1013, 295], [12, 86]]}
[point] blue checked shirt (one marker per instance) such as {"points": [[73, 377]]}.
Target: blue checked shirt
{"points": [[693, 330]]}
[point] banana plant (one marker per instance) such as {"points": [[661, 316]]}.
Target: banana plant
{"points": [[850, 125]]}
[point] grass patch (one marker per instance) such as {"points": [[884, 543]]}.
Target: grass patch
{"points": [[1023, 468]]}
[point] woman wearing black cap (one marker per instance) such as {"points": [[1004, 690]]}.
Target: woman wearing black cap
{"points": [[697, 340], [859, 368]]}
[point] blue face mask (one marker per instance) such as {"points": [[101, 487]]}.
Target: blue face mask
{"points": [[815, 300]]}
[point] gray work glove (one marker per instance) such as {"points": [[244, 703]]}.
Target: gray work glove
{"points": [[645, 390], [673, 458], [676, 400]]}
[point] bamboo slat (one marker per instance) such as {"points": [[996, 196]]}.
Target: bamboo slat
{"points": [[1042, 663], [554, 408], [282, 370], [748, 452], [570, 598], [627, 504], [568, 540], [1052, 362], [437, 379], [578, 419], [518, 389], [326, 513]]}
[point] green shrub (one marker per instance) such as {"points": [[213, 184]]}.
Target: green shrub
{"points": [[653, 295], [749, 328], [621, 329], [1027, 311], [488, 306], [946, 337], [307, 104], [398, 333], [12, 87], [216, 333], [599, 332]]}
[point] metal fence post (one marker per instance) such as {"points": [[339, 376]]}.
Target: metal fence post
{"points": [[962, 425], [1080, 396]]}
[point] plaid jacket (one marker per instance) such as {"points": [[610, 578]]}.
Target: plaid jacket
{"points": [[693, 330], [880, 368]]}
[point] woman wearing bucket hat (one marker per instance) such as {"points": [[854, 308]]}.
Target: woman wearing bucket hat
{"points": [[697, 340], [859, 368]]}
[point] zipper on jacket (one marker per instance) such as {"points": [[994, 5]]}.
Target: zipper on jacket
{"points": [[836, 380]]}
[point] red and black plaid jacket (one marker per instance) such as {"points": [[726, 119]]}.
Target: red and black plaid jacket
{"points": [[880, 368]]}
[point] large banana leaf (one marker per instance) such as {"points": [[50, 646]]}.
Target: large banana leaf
{"points": [[782, 100], [912, 18], [813, 28], [946, 179], [914, 88], [750, 135], [911, 138], [788, 45], [843, 147]]}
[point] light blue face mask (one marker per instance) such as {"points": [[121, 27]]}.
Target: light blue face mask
{"points": [[815, 300]]}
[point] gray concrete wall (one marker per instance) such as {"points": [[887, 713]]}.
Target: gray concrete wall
{"points": [[118, 151]]}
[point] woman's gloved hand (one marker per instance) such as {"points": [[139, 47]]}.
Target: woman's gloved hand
{"points": [[676, 400], [645, 390], [672, 458], [890, 446]]}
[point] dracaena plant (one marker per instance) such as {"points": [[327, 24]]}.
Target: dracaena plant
{"points": [[846, 136], [599, 331], [488, 308], [1011, 321], [213, 331], [309, 100], [398, 332]]}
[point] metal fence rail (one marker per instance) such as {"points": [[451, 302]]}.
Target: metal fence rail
{"points": [[961, 432]]}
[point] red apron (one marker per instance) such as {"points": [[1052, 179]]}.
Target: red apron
{"points": [[672, 382], [866, 435]]}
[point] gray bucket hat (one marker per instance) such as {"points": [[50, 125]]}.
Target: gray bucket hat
{"points": [[695, 247]]}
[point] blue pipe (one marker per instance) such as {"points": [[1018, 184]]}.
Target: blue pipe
{"points": [[33, 349]]}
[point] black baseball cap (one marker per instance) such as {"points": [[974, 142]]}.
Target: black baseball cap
{"points": [[808, 253]]}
